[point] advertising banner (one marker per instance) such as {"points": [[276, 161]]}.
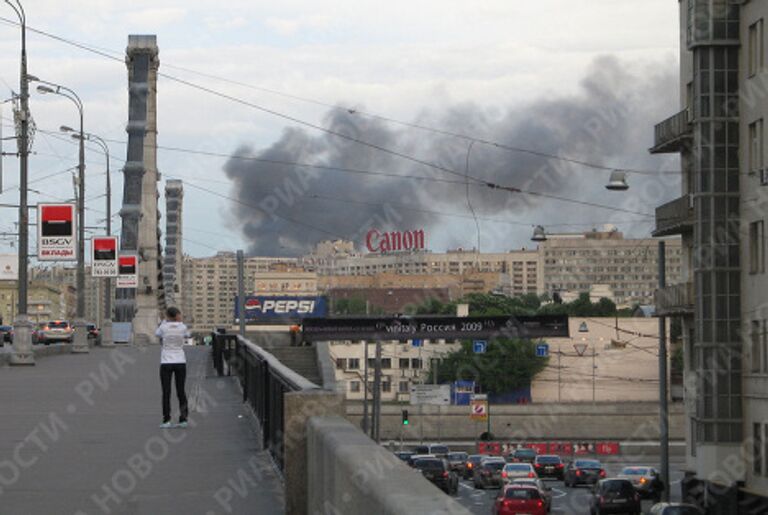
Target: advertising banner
{"points": [[9, 267], [56, 226], [104, 256], [128, 271], [270, 309]]}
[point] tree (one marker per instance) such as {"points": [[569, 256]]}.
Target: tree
{"points": [[507, 364], [351, 306]]}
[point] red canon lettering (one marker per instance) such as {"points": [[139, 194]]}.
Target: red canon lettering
{"points": [[376, 241]]}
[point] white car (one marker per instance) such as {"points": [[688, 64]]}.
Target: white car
{"points": [[512, 471]]}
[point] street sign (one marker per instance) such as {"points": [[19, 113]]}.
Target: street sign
{"points": [[104, 256], [479, 346], [478, 409], [56, 240], [580, 348], [542, 350], [128, 271], [434, 394], [418, 342]]}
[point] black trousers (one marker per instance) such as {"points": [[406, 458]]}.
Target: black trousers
{"points": [[179, 373]]}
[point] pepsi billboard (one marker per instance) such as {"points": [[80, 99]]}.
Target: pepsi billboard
{"points": [[270, 309]]}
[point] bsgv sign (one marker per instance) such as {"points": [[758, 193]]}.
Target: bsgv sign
{"points": [[291, 308], [377, 241], [128, 271], [56, 232], [104, 256]]}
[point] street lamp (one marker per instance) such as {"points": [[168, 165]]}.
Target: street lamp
{"points": [[22, 327], [539, 234], [617, 181], [106, 326], [80, 342]]}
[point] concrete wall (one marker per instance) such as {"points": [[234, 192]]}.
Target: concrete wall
{"points": [[38, 350], [576, 421], [349, 474]]}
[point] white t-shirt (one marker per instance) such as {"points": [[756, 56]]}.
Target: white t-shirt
{"points": [[172, 335]]}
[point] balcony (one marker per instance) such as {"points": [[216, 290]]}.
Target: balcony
{"points": [[674, 217], [677, 299], [673, 134]]}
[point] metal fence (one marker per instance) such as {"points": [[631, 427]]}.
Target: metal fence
{"points": [[264, 382]]}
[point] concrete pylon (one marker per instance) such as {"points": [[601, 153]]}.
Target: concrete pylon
{"points": [[139, 212]]}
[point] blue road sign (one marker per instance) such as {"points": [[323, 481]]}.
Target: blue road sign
{"points": [[417, 342], [542, 350], [479, 346]]}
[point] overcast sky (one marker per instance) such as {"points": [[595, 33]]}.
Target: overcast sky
{"points": [[406, 60]]}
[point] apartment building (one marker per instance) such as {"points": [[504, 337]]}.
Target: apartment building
{"points": [[627, 268], [211, 287], [721, 296]]}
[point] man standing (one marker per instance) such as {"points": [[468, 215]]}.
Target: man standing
{"points": [[172, 333]]}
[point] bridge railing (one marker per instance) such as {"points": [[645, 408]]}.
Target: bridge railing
{"points": [[264, 381]]}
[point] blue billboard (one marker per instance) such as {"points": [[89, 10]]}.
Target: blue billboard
{"points": [[270, 309]]}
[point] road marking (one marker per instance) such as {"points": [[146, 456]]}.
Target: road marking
{"points": [[466, 486], [560, 492]]}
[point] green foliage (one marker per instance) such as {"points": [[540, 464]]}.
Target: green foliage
{"points": [[676, 329], [508, 364], [354, 306], [677, 361], [432, 306]]}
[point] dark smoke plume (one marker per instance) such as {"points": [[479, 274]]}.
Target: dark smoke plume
{"points": [[284, 210]]}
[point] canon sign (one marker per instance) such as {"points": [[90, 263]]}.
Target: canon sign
{"points": [[377, 241]]}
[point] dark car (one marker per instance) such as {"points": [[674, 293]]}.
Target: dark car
{"points": [[583, 472], [524, 455], [438, 472], [674, 508], [615, 496], [473, 461], [6, 334], [405, 455], [458, 461], [549, 465], [94, 334], [488, 473]]}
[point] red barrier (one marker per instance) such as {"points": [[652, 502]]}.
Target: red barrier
{"points": [[490, 448], [541, 448], [607, 448], [582, 448], [561, 448]]}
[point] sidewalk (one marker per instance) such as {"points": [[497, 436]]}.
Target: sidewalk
{"points": [[79, 436]]}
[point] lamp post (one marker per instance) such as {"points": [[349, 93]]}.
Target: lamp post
{"points": [[106, 326], [80, 343], [22, 327]]}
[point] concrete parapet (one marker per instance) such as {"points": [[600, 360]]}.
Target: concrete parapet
{"points": [[349, 474], [39, 351]]}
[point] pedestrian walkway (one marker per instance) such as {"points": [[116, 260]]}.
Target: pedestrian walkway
{"points": [[79, 435]]}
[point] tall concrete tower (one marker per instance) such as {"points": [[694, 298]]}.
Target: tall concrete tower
{"points": [[140, 230], [172, 263]]}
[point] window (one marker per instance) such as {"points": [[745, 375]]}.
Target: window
{"points": [[353, 364], [354, 386], [756, 52], [416, 363], [756, 346], [340, 363], [386, 386], [404, 387], [756, 146], [756, 248], [405, 363], [386, 363], [757, 464]]}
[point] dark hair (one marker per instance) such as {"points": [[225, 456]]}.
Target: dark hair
{"points": [[172, 312]]}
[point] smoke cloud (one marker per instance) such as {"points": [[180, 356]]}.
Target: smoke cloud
{"points": [[284, 210]]}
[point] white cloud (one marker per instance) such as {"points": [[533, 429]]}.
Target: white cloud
{"points": [[156, 17], [290, 26]]}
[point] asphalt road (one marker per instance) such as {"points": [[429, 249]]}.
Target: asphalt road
{"points": [[564, 500]]}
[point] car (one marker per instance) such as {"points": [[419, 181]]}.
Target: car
{"points": [[404, 455], [544, 490], [55, 331], [437, 449], [614, 495], [646, 481], [473, 460], [583, 472], [6, 334], [549, 465], [519, 499], [488, 473], [515, 470], [94, 334], [458, 461], [675, 508], [437, 471], [523, 454]]}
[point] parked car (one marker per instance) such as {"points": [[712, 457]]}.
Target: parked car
{"points": [[614, 496], [518, 499], [458, 461], [55, 331], [544, 491], [439, 472], [488, 473], [646, 480], [6, 334], [583, 472], [523, 454], [674, 508], [473, 461], [94, 334], [515, 470], [437, 449], [549, 465]]}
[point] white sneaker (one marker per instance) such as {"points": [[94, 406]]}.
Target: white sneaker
{"points": [[166, 425]]}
